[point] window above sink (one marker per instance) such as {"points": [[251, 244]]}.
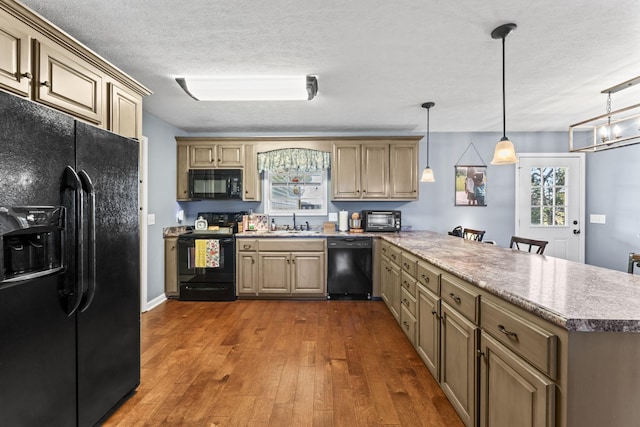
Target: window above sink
{"points": [[299, 192]]}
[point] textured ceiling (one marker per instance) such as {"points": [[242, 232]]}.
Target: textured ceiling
{"points": [[376, 60]]}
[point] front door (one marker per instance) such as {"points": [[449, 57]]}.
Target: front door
{"points": [[550, 200]]}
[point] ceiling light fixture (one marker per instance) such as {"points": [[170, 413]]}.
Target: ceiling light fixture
{"points": [[614, 129], [427, 173], [504, 153], [268, 88]]}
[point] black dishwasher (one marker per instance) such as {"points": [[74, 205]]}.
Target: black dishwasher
{"points": [[349, 267]]}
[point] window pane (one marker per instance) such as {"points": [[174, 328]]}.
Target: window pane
{"points": [[547, 177], [547, 196], [547, 216], [535, 196], [535, 176], [535, 216], [296, 192], [559, 219], [561, 174], [560, 196]]}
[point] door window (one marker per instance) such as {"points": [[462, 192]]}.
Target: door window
{"points": [[548, 196]]}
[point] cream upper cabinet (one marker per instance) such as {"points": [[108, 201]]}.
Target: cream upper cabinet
{"points": [[125, 112], [182, 173], [206, 156], [345, 171], [403, 180], [41, 62], [68, 83], [15, 63], [250, 176], [375, 169]]}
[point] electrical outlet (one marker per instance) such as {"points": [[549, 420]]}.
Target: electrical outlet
{"points": [[597, 219], [333, 216]]}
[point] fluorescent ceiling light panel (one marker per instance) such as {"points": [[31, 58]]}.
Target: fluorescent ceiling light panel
{"points": [[271, 88]]}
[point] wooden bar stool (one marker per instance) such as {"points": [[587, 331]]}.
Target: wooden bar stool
{"points": [[471, 234], [538, 244], [634, 259]]}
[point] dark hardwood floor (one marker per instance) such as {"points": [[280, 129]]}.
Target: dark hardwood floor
{"points": [[280, 363]]}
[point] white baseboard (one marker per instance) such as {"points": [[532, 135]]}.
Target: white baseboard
{"points": [[155, 302]]}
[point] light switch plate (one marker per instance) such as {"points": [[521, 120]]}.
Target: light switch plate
{"points": [[333, 216], [151, 219], [597, 219]]}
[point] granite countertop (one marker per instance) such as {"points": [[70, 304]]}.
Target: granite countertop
{"points": [[175, 231], [577, 297]]}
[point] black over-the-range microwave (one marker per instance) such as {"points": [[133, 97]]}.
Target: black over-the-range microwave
{"points": [[219, 184]]}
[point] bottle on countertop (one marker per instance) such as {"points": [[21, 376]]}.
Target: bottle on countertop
{"points": [[273, 224]]}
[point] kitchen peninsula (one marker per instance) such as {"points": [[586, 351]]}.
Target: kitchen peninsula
{"points": [[512, 336]]}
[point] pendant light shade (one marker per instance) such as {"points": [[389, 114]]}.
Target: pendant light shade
{"points": [[427, 173], [504, 153]]}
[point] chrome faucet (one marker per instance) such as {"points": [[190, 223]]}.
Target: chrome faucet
{"points": [[308, 228], [294, 221]]}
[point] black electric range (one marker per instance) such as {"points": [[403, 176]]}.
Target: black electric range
{"points": [[206, 259]]}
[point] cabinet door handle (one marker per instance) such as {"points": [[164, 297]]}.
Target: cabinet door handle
{"points": [[293, 261], [46, 84], [406, 325], [246, 246], [507, 333], [426, 279], [27, 75], [455, 298], [253, 261]]}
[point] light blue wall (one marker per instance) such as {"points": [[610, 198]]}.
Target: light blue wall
{"points": [[612, 188], [161, 195]]}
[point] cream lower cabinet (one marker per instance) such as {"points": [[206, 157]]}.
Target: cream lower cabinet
{"points": [[246, 266], [390, 279], [428, 329], [458, 358], [512, 391], [171, 266], [281, 267]]}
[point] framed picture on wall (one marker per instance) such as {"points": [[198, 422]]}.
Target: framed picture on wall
{"points": [[470, 185]]}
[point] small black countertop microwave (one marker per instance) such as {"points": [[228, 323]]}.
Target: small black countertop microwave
{"points": [[381, 220], [219, 184]]}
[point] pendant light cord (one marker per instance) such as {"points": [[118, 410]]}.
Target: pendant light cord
{"points": [[428, 110], [504, 109]]}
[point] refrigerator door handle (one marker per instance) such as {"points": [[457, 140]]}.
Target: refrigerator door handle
{"points": [[87, 186], [72, 293]]}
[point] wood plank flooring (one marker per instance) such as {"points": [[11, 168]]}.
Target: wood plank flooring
{"points": [[280, 363]]}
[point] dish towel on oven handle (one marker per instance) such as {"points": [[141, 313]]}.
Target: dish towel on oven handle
{"points": [[207, 253]]}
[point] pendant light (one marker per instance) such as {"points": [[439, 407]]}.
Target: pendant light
{"points": [[504, 153], [427, 173]]}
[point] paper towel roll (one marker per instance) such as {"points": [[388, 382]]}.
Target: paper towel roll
{"points": [[343, 221]]}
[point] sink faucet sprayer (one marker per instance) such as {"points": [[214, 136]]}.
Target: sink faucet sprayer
{"points": [[294, 221]]}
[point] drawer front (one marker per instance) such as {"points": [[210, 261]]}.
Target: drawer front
{"points": [[384, 247], [408, 301], [409, 264], [408, 324], [409, 283], [394, 254], [428, 277], [247, 245], [527, 339], [461, 297], [291, 245]]}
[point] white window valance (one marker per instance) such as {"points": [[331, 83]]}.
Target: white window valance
{"points": [[301, 159]]}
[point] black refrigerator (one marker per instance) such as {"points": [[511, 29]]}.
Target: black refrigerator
{"points": [[69, 284]]}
